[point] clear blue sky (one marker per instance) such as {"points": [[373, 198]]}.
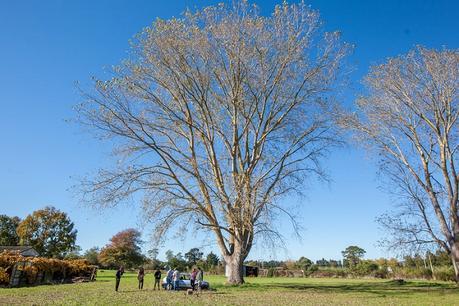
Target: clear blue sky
{"points": [[45, 46]]}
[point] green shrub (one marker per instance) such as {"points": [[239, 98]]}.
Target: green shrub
{"points": [[365, 268], [413, 273], [330, 272], [444, 273], [381, 273], [310, 270]]}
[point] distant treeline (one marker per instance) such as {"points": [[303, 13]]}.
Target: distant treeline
{"points": [[432, 265]]}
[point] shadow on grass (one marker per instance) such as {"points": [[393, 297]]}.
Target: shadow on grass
{"points": [[104, 281], [172, 292], [388, 288]]}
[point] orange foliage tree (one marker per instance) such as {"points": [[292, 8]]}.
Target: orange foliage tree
{"points": [[123, 249]]}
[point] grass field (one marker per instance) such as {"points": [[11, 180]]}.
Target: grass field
{"points": [[257, 291]]}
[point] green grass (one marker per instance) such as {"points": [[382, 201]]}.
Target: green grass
{"points": [[257, 291]]}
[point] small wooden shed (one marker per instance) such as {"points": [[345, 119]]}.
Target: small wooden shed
{"points": [[24, 250]]}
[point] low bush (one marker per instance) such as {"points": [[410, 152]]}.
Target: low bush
{"points": [[324, 272], [331, 272], [365, 268], [310, 270], [444, 273], [412, 273], [381, 273]]}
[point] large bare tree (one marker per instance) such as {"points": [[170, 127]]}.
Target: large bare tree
{"points": [[410, 116], [218, 115]]}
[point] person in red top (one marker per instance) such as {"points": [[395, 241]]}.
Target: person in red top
{"points": [[193, 278]]}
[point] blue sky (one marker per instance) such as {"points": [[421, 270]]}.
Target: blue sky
{"points": [[46, 46]]}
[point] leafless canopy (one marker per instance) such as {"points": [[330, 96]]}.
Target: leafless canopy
{"points": [[410, 117], [217, 115]]}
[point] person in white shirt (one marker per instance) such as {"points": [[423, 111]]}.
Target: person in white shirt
{"points": [[200, 277], [176, 278], [169, 279]]}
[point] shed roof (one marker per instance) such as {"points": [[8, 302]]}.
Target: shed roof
{"points": [[25, 250]]}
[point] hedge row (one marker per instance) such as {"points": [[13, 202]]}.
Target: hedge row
{"points": [[443, 273]]}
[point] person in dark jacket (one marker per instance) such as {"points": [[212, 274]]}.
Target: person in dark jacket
{"points": [[119, 273], [140, 277], [157, 279]]}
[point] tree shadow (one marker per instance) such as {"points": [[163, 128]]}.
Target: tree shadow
{"points": [[388, 288], [378, 288], [104, 280]]}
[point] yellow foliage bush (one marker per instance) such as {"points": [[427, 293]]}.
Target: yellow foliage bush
{"points": [[4, 277], [31, 274], [9, 259], [34, 265]]}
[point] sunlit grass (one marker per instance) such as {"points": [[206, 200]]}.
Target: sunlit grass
{"points": [[256, 291]]}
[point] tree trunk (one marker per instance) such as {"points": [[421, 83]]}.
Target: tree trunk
{"points": [[234, 268], [431, 267], [455, 259]]}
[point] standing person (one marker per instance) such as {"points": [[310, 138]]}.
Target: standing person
{"points": [[176, 278], [140, 277], [169, 279], [157, 279], [193, 278], [119, 273], [200, 277]]}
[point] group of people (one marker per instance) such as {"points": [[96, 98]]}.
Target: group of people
{"points": [[172, 278], [140, 277]]}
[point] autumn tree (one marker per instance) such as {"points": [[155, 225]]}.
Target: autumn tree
{"points": [[8, 235], [217, 116], [123, 249], [410, 119], [352, 256], [50, 231]]}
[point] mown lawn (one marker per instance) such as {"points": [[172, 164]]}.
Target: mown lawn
{"points": [[257, 291]]}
